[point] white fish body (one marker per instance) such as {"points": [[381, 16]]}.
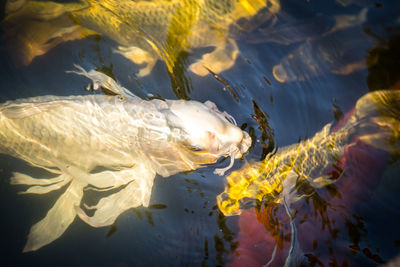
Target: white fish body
{"points": [[107, 142]]}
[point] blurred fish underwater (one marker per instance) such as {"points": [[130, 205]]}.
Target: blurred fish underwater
{"points": [[144, 30], [313, 84]]}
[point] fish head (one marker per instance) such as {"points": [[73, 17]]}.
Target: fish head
{"points": [[208, 130]]}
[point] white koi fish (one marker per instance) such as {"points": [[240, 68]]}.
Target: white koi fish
{"points": [[107, 142]]}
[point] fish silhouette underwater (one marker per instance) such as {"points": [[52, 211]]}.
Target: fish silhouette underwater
{"points": [[316, 58], [315, 163], [145, 31], [323, 44], [115, 143], [289, 30]]}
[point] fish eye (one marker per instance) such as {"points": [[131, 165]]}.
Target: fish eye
{"points": [[195, 148]]}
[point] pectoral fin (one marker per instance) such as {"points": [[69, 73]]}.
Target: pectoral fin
{"points": [[23, 179], [139, 57], [57, 220], [40, 186], [219, 60], [135, 194], [109, 179], [101, 80]]}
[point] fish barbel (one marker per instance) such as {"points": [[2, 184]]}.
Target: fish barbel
{"points": [[106, 142]]}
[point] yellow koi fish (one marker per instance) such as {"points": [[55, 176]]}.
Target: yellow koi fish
{"points": [[106, 142], [145, 31], [375, 121]]}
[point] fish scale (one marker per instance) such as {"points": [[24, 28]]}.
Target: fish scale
{"points": [[374, 120], [125, 22], [59, 131], [264, 180], [144, 31]]}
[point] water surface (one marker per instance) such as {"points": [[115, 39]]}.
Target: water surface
{"points": [[328, 60]]}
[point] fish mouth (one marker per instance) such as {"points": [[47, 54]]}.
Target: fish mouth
{"points": [[235, 152], [244, 145]]}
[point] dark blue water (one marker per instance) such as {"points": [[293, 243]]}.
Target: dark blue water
{"points": [[183, 226]]}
